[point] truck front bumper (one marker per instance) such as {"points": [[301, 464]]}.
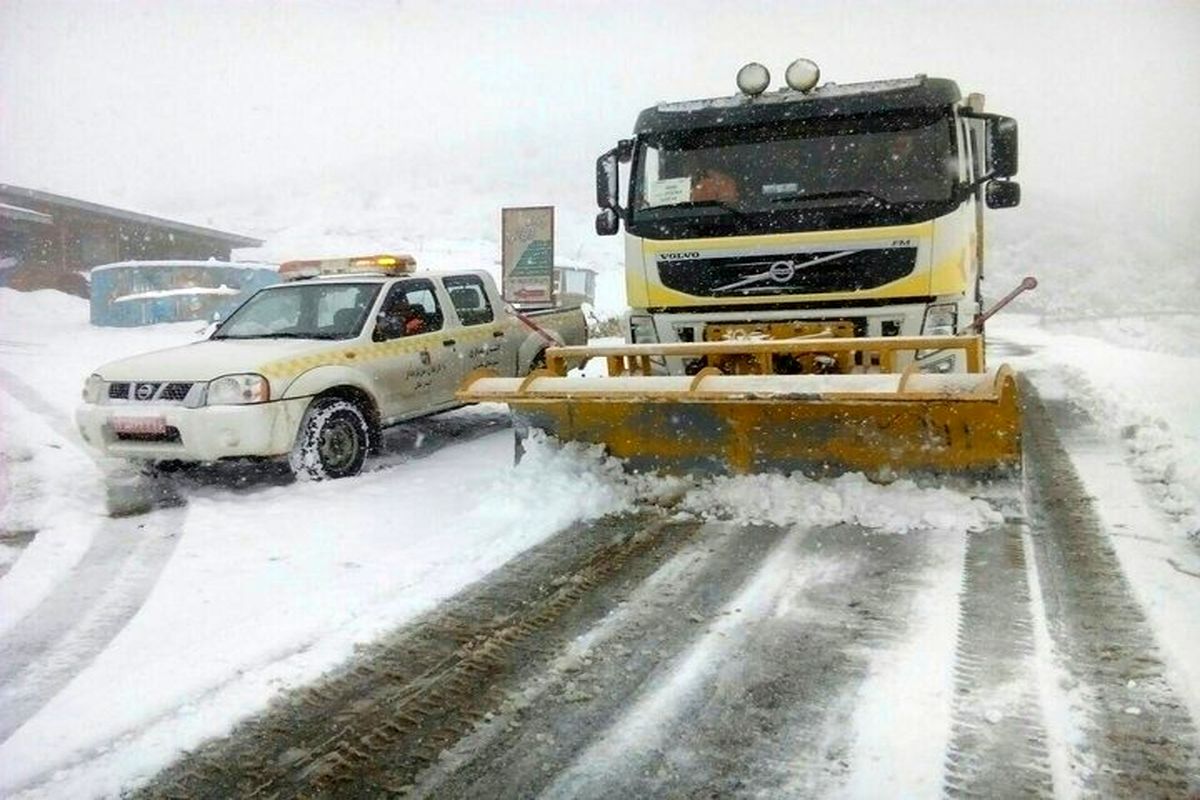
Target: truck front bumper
{"points": [[161, 432]]}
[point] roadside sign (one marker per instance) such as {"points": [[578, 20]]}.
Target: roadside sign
{"points": [[527, 256]]}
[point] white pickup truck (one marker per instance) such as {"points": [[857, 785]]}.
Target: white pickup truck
{"points": [[313, 368]]}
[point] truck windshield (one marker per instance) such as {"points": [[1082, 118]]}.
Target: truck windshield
{"points": [[878, 160], [302, 311]]}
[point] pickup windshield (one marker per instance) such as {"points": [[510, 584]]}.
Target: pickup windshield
{"points": [[880, 160], [302, 311]]}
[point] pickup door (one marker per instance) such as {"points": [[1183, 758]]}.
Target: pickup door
{"points": [[486, 341], [416, 362]]}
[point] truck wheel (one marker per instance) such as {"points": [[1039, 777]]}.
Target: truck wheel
{"points": [[333, 441]]}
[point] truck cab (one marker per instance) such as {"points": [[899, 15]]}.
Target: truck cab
{"points": [[843, 210]]}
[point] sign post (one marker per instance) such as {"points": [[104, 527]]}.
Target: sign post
{"points": [[527, 256]]}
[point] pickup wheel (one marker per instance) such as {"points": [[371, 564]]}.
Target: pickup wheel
{"points": [[333, 440]]}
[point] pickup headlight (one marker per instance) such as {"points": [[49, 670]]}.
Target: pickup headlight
{"points": [[941, 320], [232, 390], [93, 389]]}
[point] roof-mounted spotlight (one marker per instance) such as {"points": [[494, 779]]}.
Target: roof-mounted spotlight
{"points": [[753, 79], [802, 75]]}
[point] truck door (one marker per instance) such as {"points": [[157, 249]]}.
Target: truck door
{"points": [[415, 358], [482, 341]]}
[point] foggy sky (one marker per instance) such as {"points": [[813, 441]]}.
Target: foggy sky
{"points": [[191, 107]]}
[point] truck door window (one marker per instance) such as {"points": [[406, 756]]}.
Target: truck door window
{"points": [[470, 299], [410, 309]]}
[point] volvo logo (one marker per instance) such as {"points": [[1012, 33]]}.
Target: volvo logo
{"points": [[144, 391], [782, 271], [679, 256]]}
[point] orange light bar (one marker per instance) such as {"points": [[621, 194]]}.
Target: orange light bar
{"points": [[398, 264]]}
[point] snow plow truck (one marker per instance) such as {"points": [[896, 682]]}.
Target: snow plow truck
{"points": [[803, 268]]}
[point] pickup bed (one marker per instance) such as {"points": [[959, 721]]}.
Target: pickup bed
{"points": [[314, 368]]}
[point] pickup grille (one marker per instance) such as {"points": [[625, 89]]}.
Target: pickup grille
{"points": [[175, 391], [788, 273], [149, 390]]}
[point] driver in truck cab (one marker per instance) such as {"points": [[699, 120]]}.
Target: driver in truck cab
{"points": [[709, 180]]}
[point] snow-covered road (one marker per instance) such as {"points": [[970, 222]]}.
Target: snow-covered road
{"points": [[126, 640]]}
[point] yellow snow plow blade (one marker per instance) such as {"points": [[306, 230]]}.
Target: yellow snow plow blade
{"points": [[879, 421]]}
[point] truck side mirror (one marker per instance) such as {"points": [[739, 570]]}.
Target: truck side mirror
{"points": [[607, 180], [1002, 146], [1002, 194], [607, 222]]}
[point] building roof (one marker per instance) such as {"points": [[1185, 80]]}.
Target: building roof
{"points": [[212, 263], [24, 214], [234, 239]]}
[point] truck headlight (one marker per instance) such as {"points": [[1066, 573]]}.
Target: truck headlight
{"points": [[93, 389], [232, 390], [641, 330], [941, 320]]}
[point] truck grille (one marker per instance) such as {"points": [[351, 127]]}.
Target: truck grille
{"points": [[149, 390], [788, 273]]}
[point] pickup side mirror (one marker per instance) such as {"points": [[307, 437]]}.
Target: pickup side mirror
{"points": [[1002, 194], [1002, 146]]}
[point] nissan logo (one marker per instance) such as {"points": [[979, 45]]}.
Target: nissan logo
{"points": [[144, 391]]}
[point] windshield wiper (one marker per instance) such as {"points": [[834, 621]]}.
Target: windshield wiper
{"points": [[844, 193], [720, 204]]}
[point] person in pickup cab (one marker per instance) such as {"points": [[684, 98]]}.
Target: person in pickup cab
{"points": [[413, 316], [405, 319]]}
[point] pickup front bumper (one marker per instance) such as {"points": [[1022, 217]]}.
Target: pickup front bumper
{"points": [[159, 432]]}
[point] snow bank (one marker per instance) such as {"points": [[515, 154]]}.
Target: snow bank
{"points": [[1141, 386]]}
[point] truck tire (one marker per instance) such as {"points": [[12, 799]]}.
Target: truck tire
{"points": [[333, 440]]}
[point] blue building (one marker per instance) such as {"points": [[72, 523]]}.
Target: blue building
{"points": [[131, 293]]}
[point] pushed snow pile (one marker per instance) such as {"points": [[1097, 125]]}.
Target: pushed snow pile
{"points": [[796, 500], [597, 482], [602, 486]]}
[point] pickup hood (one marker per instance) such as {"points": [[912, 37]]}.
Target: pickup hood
{"points": [[203, 361]]}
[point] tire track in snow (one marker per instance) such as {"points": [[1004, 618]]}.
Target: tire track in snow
{"points": [[998, 745], [1138, 737], [736, 679], [93, 601], [89, 607]]}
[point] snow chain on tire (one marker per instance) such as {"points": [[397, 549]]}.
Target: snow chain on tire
{"points": [[332, 442]]}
